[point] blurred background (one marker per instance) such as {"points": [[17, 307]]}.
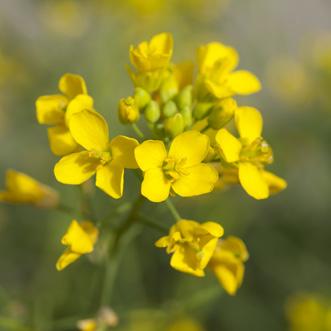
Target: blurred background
{"points": [[288, 45]]}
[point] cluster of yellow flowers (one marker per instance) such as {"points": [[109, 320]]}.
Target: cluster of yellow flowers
{"points": [[189, 151]]}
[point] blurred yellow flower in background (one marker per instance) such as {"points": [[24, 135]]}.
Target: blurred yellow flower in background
{"points": [[181, 169], [308, 312], [21, 188], [55, 110], [107, 159], [216, 64], [289, 80], [191, 244], [80, 239], [227, 263]]}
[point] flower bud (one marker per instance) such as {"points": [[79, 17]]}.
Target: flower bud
{"points": [[152, 112], [184, 98], [222, 113], [169, 109], [141, 97], [128, 111], [174, 125], [169, 89], [187, 115], [202, 110]]}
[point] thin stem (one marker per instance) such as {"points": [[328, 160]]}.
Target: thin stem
{"points": [[151, 224], [113, 260], [173, 209], [139, 133], [86, 205]]}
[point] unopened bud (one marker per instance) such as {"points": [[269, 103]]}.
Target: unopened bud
{"points": [[169, 109], [201, 110], [142, 97], [222, 113], [174, 125], [184, 98], [187, 115], [128, 111], [169, 89], [152, 112]]}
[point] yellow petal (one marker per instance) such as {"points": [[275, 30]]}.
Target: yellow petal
{"points": [[66, 258], [155, 186], [50, 109], [90, 130], [276, 184], [122, 150], [75, 168], [213, 228], [249, 123], [191, 147], [61, 141], [110, 179], [236, 246], [150, 154], [21, 188], [226, 278], [76, 105], [229, 145], [162, 43], [162, 242], [207, 252], [200, 179], [213, 52], [243, 82], [251, 179], [185, 260], [77, 240], [71, 85]]}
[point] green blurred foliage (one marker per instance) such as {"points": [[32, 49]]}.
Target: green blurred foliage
{"points": [[288, 236]]}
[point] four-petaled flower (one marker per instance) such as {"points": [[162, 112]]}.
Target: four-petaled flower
{"points": [[191, 244], [107, 159], [55, 110], [250, 153], [216, 64], [181, 169], [21, 188], [80, 239], [227, 263]]}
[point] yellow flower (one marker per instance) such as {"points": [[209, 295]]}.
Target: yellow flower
{"points": [[107, 159], [87, 325], [181, 169], [21, 188], [55, 110], [249, 153], [229, 176], [152, 55], [80, 239], [128, 111], [191, 244], [227, 263], [216, 65]]}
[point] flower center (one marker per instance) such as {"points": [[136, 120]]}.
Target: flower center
{"points": [[103, 157], [173, 169], [258, 152]]}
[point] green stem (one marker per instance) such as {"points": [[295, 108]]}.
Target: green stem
{"points": [[173, 209], [139, 133], [86, 204], [112, 262], [151, 224]]}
